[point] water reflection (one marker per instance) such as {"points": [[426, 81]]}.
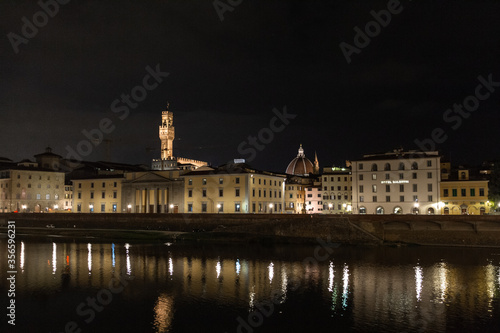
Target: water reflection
{"points": [[164, 313], [238, 267], [89, 257], [490, 284], [170, 266], [171, 280], [345, 291], [271, 271], [54, 258], [218, 268], [440, 278], [284, 284], [129, 266], [419, 277], [21, 260], [113, 256]]}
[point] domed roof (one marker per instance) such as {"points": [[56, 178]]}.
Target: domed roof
{"points": [[300, 165]]}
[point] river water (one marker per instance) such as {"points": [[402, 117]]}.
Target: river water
{"points": [[87, 286]]}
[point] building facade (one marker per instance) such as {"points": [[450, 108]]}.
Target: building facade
{"points": [[295, 194], [233, 188], [31, 189], [397, 182], [153, 192], [337, 190], [98, 194], [462, 194]]}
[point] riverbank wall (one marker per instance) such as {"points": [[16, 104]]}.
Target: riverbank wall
{"points": [[462, 230]]}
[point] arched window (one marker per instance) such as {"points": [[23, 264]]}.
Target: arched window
{"points": [[430, 211], [416, 210], [362, 210], [414, 166], [398, 210], [380, 210], [401, 166], [387, 167], [374, 167]]}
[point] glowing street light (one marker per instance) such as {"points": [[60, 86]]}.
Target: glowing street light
{"points": [[129, 207], [172, 208], [218, 208], [56, 207], [271, 208], [24, 208], [91, 208], [330, 205]]}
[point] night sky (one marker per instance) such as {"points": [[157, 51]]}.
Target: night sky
{"points": [[226, 77]]}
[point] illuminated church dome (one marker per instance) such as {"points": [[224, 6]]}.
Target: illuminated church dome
{"points": [[301, 165]]}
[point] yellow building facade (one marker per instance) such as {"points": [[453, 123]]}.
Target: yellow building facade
{"points": [[98, 195], [233, 189], [464, 196]]}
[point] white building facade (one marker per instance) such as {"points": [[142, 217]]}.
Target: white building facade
{"points": [[397, 182]]}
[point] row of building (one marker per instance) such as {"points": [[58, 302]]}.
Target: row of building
{"points": [[397, 182]]}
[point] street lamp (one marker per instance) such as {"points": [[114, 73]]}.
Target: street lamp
{"points": [[344, 205], [91, 208], [24, 208], [330, 207], [271, 208], [218, 208], [129, 206], [171, 208]]}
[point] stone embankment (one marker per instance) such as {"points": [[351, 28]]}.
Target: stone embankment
{"points": [[464, 230]]}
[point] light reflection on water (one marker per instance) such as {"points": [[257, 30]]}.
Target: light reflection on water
{"points": [[172, 283]]}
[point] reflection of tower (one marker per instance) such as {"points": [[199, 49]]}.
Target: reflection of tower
{"points": [[167, 134]]}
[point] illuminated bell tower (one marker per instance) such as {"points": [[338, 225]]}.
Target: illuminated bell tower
{"points": [[167, 134]]}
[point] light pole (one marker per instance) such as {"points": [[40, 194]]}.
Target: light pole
{"points": [[270, 208], [415, 207], [172, 208], [218, 208], [24, 208], [129, 207], [344, 205], [330, 205], [91, 208]]}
